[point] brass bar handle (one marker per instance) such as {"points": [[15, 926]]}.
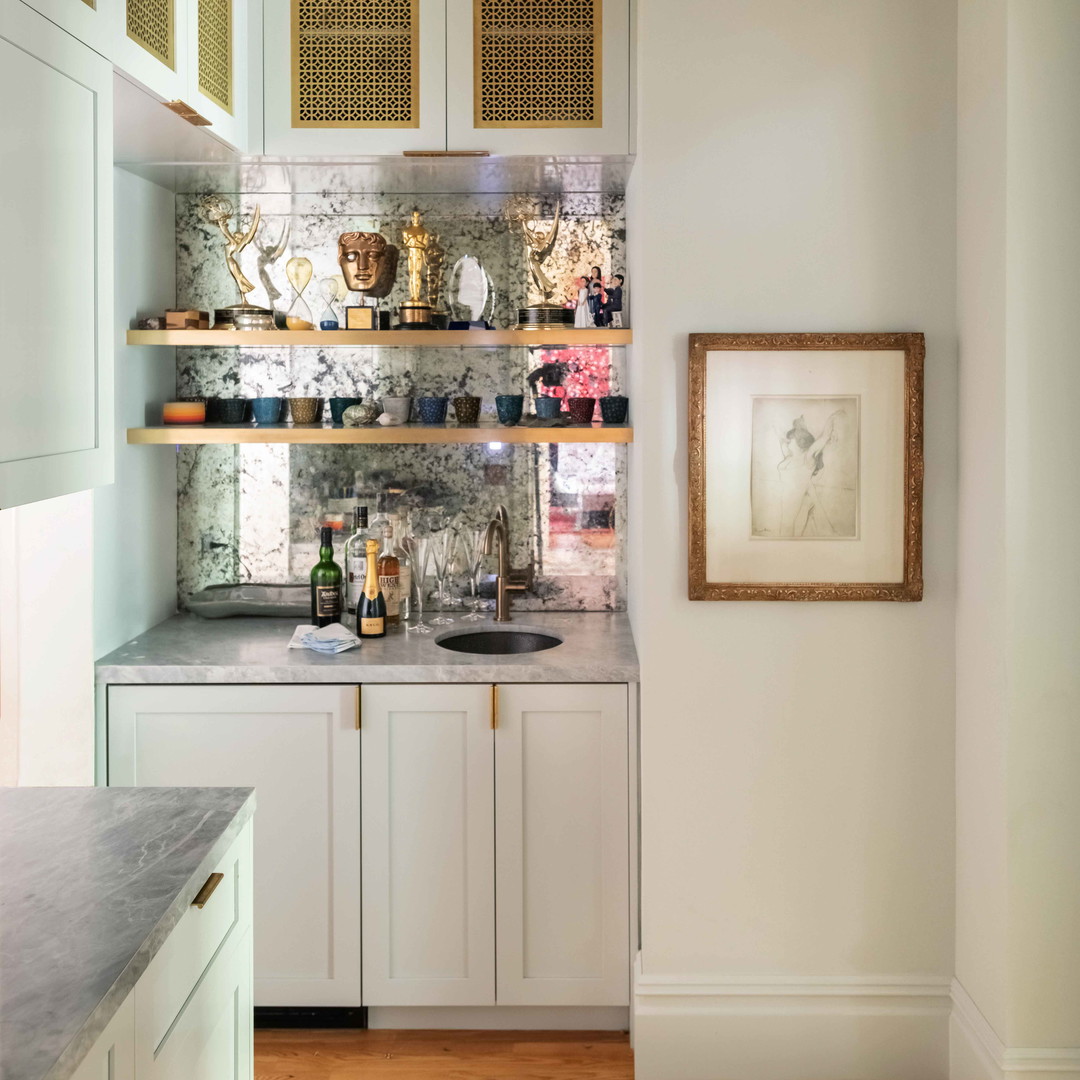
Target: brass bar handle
{"points": [[495, 708], [204, 894], [446, 153], [186, 112]]}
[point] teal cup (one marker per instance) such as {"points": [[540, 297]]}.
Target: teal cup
{"points": [[548, 408], [508, 407], [267, 410]]}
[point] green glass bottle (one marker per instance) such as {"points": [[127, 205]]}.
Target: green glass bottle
{"points": [[326, 579]]}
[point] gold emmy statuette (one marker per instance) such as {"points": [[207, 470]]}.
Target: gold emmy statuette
{"points": [[298, 270], [217, 210], [415, 313], [369, 267], [540, 242]]}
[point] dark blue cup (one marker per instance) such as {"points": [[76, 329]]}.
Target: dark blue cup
{"points": [[230, 410], [547, 408], [338, 405], [508, 406], [432, 410], [267, 410], [613, 409]]}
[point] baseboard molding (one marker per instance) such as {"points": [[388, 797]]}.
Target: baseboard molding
{"points": [[500, 1017], [977, 1053], [735, 1027]]}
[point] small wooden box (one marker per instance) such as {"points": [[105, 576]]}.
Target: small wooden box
{"points": [[178, 319], [360, 318]]}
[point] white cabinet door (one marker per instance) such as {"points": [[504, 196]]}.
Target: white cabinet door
{"points": [[112, 1057], [428, 824], [538, 76], [211, 1038], [562, 847], [88, 20], [217, 74], [56, 410], [150, 44], [347, 78], [299, 748]]}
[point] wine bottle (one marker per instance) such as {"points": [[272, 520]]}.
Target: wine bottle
{"points": [[371, 612], [355, 562], [390, 575], [326, 579]]}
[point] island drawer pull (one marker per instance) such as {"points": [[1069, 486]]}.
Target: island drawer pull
{"points": [[204, 894]]}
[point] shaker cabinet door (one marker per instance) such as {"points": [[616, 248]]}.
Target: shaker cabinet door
{"points": [[56, 409], [429, 845], [563, 845], [217, 75], [299, 748], [347, 78], [112, 1057], [538, 76]]}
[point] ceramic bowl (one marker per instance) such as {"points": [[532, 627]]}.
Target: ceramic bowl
{"points": [[229, 410], [581, 409], [432, 410], [338, 405], [613, 409], [547, 408], [305, 410], [400, 408], [467, 409], [508, 406], [267, 410]]}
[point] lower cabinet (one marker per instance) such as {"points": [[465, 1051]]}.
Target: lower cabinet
{"points": [[299, 748], [489, 827], [112, 1057]]}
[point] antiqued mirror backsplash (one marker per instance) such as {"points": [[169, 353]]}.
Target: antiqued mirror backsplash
{"points": [[248, 512]]}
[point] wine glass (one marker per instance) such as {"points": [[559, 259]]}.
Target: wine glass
{"points": [[472, 543], [455, 565], [420, 549], [442, 550]]}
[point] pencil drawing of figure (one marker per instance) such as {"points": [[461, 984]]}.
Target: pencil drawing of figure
{"points": [[804, 468]]}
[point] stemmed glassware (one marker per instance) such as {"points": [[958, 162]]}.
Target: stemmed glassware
{"points": [[442, 554], [420, 550], [472, 545]]}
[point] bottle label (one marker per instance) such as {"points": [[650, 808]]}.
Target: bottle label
{"points": [[328, 601], [389, 584], [372, 627]]}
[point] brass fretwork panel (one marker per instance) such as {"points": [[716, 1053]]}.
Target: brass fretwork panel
{"points": [[90, 3], [215, 51], [537, 63], [150, 24], [356, 63]]}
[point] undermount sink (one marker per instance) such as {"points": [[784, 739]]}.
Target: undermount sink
{"points": [[491, 642]]}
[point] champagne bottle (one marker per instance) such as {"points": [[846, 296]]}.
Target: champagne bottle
{"points": [[326, 579], [371, 612], [355, 564]]}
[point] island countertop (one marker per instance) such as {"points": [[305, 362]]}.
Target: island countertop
{"points": [[92, 880], [597, 647]]}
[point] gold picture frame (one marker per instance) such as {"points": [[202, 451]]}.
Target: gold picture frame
{"points": [[849, 479]]}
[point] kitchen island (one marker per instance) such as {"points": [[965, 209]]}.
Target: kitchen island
{"points": [[94, 883]]}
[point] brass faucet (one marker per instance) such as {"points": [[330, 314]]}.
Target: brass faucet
{"points": [[508, 579]]}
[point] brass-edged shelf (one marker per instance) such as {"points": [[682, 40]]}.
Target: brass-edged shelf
{"points": [[526, 432], [386, 339]]}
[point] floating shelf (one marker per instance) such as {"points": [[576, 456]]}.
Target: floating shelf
{"points": [[535, 432], [385, 339]]}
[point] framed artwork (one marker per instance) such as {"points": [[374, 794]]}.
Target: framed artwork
{"points": [[806, 466]]}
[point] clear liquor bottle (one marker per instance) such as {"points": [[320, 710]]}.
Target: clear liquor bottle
{"points": [[356, 558]]}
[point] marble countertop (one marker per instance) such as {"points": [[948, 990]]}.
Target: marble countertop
{"points": [[92, 880], [597, 647]]}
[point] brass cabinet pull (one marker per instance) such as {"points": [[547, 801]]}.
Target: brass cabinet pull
{"points": [[494, 708], [204, 894], [446, 153], [186, 112], [358, 708]]}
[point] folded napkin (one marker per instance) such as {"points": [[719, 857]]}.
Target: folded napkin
{"points": [[334, 638]]}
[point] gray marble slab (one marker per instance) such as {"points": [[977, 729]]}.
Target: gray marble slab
{"points": [[92, 880], [597, 647]]}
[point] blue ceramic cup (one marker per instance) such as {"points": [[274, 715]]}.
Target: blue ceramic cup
{"points": [[338, 405], [508, 406], [432, 410], [547, 408], [267, 410], [613, 409], [230, 410]]}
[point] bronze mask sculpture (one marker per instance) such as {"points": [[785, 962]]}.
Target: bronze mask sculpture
{"points": [[369, 265]]}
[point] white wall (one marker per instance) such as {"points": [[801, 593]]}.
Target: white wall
{"points": [[135, 518], [796, 172]]}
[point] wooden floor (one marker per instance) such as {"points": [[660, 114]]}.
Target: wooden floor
{"points": [[447, 1055]]}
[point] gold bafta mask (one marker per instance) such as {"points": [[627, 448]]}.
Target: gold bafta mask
{"points": [[368, 262]]}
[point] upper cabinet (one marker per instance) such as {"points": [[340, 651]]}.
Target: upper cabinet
{"points": [[538, 77], [151, 44], [56, 412], [342, 77], [533, 77]]}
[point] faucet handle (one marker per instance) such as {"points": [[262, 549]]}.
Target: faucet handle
{"points": [[521, 580]]}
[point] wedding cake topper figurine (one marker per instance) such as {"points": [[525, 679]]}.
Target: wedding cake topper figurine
{"points": [[217, 210], [540, 242]]}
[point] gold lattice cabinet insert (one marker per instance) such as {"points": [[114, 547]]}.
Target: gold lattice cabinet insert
{"points": [[150, 24], [537, 63], [356, 63], [215, 51]]}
